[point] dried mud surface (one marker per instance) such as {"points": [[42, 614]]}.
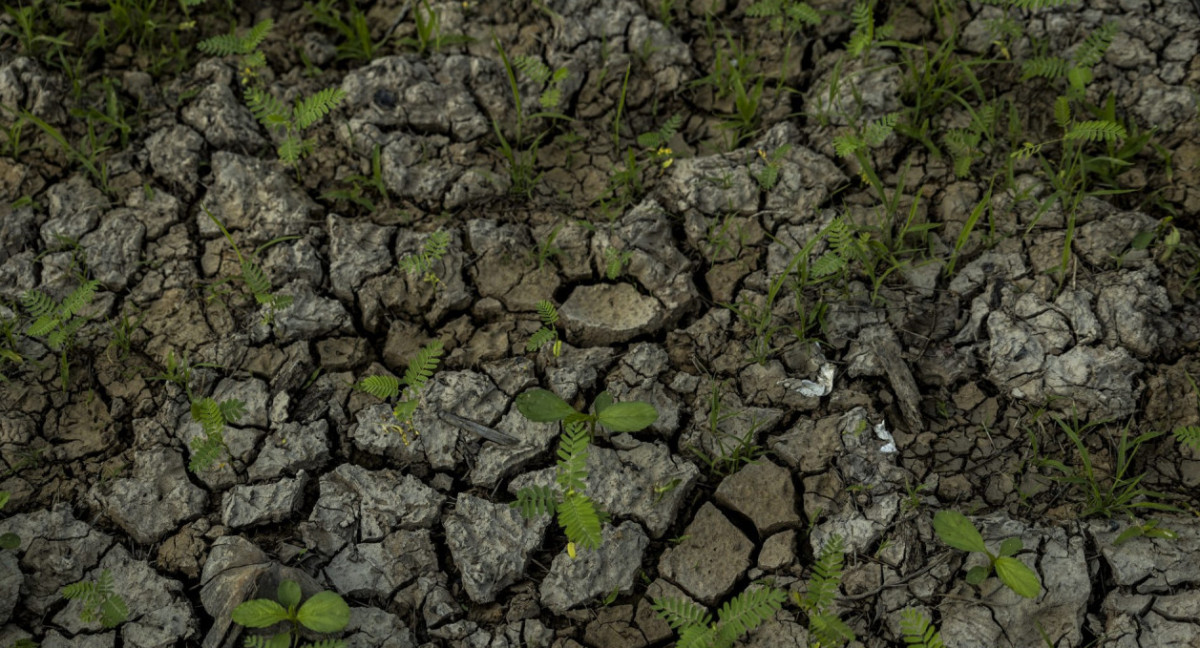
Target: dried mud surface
{"points": [[938, 388]]}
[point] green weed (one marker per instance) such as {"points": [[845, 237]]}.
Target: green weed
{"points": [[323, 612], [818, 602], [957, 531], [739, 615], [100, 603], [421, 263], [59, 323], [548, 333], [252, 275], [407, 389]]}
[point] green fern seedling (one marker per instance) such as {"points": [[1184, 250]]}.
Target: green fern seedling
{"points": [[100, 603], [817, 603], [244, 46], [213, 417], [769, 176], [957, 531], [540, 73], [865, 32], [1189, 436], [785, 15], [740, 615], [57, 322], [577, 514], [324, 612], [918, 630], [548, 333], [408, 389], [421, 263], [253, 277], [614, 261]]}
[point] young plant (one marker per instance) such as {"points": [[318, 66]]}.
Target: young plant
{"points": [[918, 630], [788, 17], [57, 322], [548, 333], [252, 274], [407, 389], [817, 602], [521, 152], [656, 141], [740, 615], [213, 417], [421, 263], [428, 29], [769, 176], [355, 31], [957, 531], [865, 34], [100, 603], [324, 612], [577, 514], [858, 143], [614, 261]]}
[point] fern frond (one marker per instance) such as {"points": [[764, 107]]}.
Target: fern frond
{"points": [[308, 111], [801, 12], [291, 149], [827, 265], [1044, 67], [436, 245], [221, 45], [232, 409], [847, 144], [42, 325], [329, 643], [540, 338], [748, 610], [80, 297], [381, 387], [1062, 112], [840, 237], [918, 631], [256, 280], [670, 127], [765, 9], [532, 68], [38, 304], [403, 412], [879, 129], [255, 36], [863, 16], [267, 109], [207, 412], [113, 611], [1189, 436], [533, 501], [826, 577], [421, 367], [697, 637], [1095, 130], [830, 630], [679, 613], [1095, 45], [547, 313], [205, 451], [81, 590], [572, 472], [579, 520]]}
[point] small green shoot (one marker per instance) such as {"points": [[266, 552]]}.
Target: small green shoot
{"points": [[57, 322], [960, 533], [421, 263], [407, 389], [738, 616], [100, 603], [548, 333], [323, 612], [818, 601]]}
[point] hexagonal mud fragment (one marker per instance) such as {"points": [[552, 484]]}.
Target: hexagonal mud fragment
{"points": [[711, 558], [603, 314], [762, 491]]}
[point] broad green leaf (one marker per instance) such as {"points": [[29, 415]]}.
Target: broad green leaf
{"points": [[628, 417], [1018, 577], [543, 406], [957, 531], [9, 541], [4, 495], [976, 575], [1011, 547], [289, 594], [1143, 240], [259, 613], [602, 402], [325, 612]]}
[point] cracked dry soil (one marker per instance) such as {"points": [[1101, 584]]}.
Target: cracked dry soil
{"points": [[937, 388]]}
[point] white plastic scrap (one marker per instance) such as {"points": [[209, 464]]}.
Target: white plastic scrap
{"points": [[810, 388], [884, 435]]}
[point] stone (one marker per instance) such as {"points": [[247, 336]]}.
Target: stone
{"points": [[174, 154], [603, 314], [711, 558], [244, 506], [56, 550], [372, 627], [612, 566], [378, 569], [357, 249], [778, 551], [763, 492], [154, 500], [490, 544]]}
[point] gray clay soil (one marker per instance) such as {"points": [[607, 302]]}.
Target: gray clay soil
{"points": [[936, 388]]}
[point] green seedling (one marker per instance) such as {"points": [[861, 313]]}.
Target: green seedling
{"points": [[59, 323], [8, 540], [577, 514], [408, 389], [769, 176], [521, 152], [858, 143], [427, 23], [548, 333], [100, 603], [918, 630], [1148, 529], [324, 612], [614, 261], [546, 249], [818, 601], [788, 17], [356, 191], [866, 34], [354, 30], [421, 263], [960, 533], [738, 616], [213, 417], [252, 275], [8, 345]]}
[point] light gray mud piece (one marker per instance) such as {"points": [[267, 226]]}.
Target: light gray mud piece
{"points": [[74, 206], [876, 351], [292, 447], [490, 544], [578, 370], [375, 570], [25, 84], [310, 315], [244, 506], [114, 250], [160, 614], [804, 180], [1060, 562], [690, 187], [373, 433], [357, 249], [496, 461], [360, 505], [1143, 621], [56, 550], [371, 627], [990, 266], [1152, 565], [739, 425], [1133, 309], [501, 269], [810, 445], [54, 639], [762, 491], [603, 314], [595, 572], [174, 154], [154, 500], [643, 481], [867, 87], [257, 197], [466, 393], [711, 558], [219, 114]]}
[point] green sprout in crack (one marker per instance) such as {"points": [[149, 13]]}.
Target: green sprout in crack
{"points": [[421, 263], [58, 323], [817, 603], [740, 615], [957, 531], [323, 612], [408, 389], [100, 602], [548, 333], [253, 276]]}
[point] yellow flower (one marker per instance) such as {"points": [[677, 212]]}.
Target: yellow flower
{"points": [[762, 154]]}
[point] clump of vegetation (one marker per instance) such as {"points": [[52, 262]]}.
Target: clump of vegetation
{"points": [[918, 630], [421, 263], [740, 615], [408, 389], [100, 602], [324, 612], [252, 276], [58, 322], [817, 603], [548, 333], [957, 531], [577, 513]]}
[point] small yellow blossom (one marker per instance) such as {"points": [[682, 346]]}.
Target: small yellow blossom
{"points": [[762, 154]]}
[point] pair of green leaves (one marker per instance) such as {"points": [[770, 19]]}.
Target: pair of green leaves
{"points": [[323, 612], [544, 406], [957, 531]]}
